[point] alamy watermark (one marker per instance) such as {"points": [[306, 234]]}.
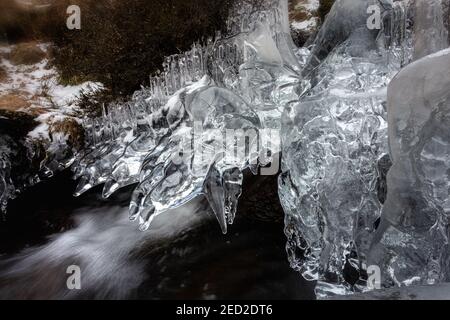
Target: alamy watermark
{"points": [[374, 20], [199, 147], [373, 277], [73, 22], [74, 280]]}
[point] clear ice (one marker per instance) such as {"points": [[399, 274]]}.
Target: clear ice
{"points": [[360, 117], [336, 152], [212, 113]]}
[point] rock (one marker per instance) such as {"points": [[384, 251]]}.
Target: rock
{"points": [[16, 123], [27, 54], [12, 102]]}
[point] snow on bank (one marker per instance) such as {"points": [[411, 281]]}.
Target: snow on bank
{"points": [[304, 18], [307, 25], [31, 88], [39, 84]]}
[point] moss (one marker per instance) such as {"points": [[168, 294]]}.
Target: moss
{"points": [[91, 102], [324, 8], [122, 42]]}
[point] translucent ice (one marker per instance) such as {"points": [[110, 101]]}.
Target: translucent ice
{"points": [[210, 114], [411, 244], [333, 143], [216, 110]]}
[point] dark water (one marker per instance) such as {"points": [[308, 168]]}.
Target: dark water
{"points": [[184, 256]]}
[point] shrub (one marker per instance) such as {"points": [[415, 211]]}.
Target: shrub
{"points": [[122, 42]]}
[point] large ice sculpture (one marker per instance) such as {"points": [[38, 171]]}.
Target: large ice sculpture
{"points": [[335, 151]]}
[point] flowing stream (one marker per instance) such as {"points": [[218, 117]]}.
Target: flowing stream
{"points": [[179, 258]]}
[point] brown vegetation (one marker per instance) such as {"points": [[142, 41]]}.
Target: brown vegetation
{"points": [[72, 129], [121, 42], [27, 54], [21, 19]]}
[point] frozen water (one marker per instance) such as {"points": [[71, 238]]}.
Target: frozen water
{"points": [[346, 107], [210, 114], [430, 33], [412, 241], [178, 138], [333, 142]]}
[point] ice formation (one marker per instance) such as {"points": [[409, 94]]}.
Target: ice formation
{"points": [[412, 240], [212, 113], [335, 151], [333, 141], [411, 244], [330, 103], [345, 108]]}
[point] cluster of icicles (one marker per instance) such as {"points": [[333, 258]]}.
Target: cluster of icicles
{"points": [[210, 114]]}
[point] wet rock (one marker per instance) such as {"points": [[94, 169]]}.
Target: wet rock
{"points": [[26, 54], [16, 123]]}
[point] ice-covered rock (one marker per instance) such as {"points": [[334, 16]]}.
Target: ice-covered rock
{"points": [[431, 35], [411, 244]]}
